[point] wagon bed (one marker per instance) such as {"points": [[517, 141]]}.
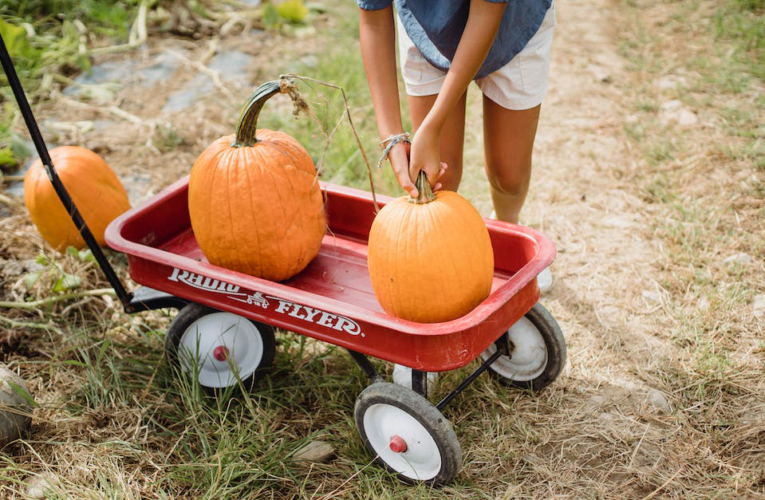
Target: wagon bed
{"points": [[332, 299]]}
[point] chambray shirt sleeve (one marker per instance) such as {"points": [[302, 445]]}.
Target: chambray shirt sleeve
{"points": [[373, 4]]}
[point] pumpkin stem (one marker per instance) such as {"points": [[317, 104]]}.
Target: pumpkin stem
{"points": [[248, 120], [424, 192]]}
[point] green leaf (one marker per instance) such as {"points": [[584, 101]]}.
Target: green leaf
{"points": [[31, 278], [102, 351], [293, 11], [86, 255], [42, 259], [15, 38], [74, 362], [70, 250], [67, 282], [19, 148], [23, 393], [271, 18], [7, 158]]}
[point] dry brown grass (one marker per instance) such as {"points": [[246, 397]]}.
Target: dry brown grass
{"points": [[663, 393]]}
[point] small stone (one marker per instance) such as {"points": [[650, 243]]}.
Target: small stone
{"points": [[315, 451], [673, 105], [687, 118], [600, 73], [742, 259], [651, 296], [673, 112], [657, 399], [758, 306], [620, 222], [671, 82], [42, 486]]}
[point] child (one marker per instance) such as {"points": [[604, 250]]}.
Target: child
{"points": [[444, 44]]}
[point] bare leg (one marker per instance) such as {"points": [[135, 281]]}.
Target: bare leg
{"points": [[508, 144], [452, 136]]}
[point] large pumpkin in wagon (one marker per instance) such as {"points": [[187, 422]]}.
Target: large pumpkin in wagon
{"points": [[254, 199], [430, 259]]}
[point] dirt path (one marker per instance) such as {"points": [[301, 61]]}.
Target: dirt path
{"points": [[606, 431]]}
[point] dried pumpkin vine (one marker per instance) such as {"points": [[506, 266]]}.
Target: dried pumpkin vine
{"points": [[287, 86]]}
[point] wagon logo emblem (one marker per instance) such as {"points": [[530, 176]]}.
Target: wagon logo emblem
{"points": [[257, 299], [203, 282], [254, 299]]}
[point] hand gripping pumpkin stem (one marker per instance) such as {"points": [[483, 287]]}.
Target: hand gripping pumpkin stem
{"points": [[248, 120], [424, 192]]}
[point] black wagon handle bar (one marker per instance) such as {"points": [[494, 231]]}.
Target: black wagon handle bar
{"points": [[34, 131]]}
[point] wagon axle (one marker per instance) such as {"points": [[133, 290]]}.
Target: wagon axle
{"points": [[397, 444], [221, 353]]}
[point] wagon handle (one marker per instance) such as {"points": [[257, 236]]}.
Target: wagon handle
{"points": [[34, 131]]}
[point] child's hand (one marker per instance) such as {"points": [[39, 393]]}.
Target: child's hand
{"points": [[399, 160], [425, 155]]}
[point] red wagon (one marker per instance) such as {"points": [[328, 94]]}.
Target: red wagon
{"points": [[224, 332]]}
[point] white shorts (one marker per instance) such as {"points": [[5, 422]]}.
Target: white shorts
{"points": [[519, 84]]}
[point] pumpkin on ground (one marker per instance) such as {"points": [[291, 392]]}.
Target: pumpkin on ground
{"points": [[94, 187], [255, 202], [430, 259]]}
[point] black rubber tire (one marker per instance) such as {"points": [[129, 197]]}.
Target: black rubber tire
{"points": [[426, 414], [555, 343], [191, 313]]}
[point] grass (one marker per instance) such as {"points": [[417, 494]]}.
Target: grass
{"points": [[695, 178], [116, 420]]}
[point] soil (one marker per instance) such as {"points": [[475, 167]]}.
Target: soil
{"points": [[611, 426]]}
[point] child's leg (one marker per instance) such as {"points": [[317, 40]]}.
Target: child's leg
{"points": [[452, 135], [508, 137]]}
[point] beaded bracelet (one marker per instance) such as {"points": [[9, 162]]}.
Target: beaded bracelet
{"points": [[387, 145]]}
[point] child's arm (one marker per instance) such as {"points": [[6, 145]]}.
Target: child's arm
{"points": [[481, 29], [378, 36]]}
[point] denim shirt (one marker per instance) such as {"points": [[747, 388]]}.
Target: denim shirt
{"points": [[436, 26]]}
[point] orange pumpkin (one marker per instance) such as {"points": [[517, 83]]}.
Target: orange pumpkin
{"points": [[94, 187], [255, 202], [430, 259]]}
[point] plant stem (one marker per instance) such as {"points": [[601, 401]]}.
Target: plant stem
{"points": [[34, 326], [350, 122], [248, 120], [58, 298], [424, 191]]}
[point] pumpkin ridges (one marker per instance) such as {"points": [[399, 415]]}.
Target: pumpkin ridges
{"points": [[285, 216], [252, 212], [83, 172], [391, 263], [425, 249], [474, 260], [283, 226], [290, 147]]}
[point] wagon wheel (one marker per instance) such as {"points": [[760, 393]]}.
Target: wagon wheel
{"points": [[220, 347], [537, 351], [407, 434]]}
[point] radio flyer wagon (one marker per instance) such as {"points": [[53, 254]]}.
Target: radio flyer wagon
{"points": [[224, 332]]}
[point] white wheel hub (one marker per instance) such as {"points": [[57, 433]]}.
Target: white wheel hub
{"points": [[402, 442], [221, 346], [528, 353]]}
